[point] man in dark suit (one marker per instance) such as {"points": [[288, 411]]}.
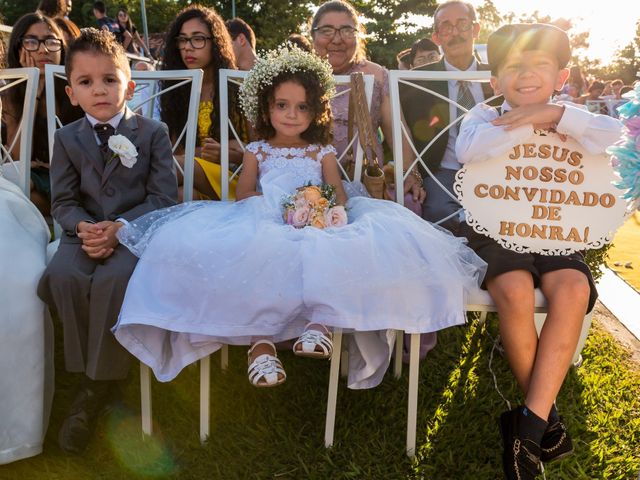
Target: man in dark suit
{"points": [[455, 29], [107, 169]]}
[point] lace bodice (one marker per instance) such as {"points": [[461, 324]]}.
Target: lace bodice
{"points": [[305, 163]]}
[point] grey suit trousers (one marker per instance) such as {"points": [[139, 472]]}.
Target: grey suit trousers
{"points": [[87, 295]]}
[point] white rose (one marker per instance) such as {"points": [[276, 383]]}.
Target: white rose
{"points": [[123, 148]]}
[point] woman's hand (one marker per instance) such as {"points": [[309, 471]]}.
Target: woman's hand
{"points": [[210, 150], [26, 60], [413, 185]]}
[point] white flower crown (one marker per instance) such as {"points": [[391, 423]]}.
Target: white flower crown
{"points": [[287, 58]]}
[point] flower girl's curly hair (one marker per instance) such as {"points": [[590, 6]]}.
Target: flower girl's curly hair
{"points": [[319, 130], [284, 64]]}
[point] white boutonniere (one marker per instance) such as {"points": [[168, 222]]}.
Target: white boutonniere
{"points": [[122, 147]]}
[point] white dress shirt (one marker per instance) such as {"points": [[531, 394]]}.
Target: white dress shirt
{"points": [[480, 140]]}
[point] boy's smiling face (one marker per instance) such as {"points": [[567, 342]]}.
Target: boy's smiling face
{"points": [[98, 85], [529, 77]]}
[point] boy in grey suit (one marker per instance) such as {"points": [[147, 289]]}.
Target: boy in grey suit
{"points": [[99, 181]]}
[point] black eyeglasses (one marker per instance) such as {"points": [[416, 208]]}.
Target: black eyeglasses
{"points": [[462, 25], [32, 44], [327, 31], [197, 41]]}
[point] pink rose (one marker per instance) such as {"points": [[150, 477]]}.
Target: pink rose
{"points": [[336, 216], [300, 217]]}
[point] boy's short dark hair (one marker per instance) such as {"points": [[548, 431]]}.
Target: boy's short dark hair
{"points": [[99, 6], [520, 37], [422, 45], [237, 26], [97, 41], [595, 85]]}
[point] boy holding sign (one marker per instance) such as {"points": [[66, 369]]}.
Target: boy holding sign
{"points": [[527, 64]]}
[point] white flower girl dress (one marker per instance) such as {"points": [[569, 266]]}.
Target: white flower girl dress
{"points": [[218, 272]]}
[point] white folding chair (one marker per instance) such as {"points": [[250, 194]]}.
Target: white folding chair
{"points": [[480, 300], [237, 77], [151, 81], [18, 170]]}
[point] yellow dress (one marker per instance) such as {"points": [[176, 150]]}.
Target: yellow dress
{"points": [[211, 170]]}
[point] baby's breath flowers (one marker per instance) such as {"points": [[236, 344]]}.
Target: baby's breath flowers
{"points": [[287, 58]]}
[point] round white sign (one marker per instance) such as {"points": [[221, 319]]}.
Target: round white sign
{"points": [[545, 195]]}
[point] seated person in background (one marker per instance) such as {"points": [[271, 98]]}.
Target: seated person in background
{"points": [[132, 42], [95, 192], [424, 52], [404, 59], [198, 38], [616, 86], [106, 23], [520, 56], [34, 42], [300, 41], [243, 41], [594, 92]]}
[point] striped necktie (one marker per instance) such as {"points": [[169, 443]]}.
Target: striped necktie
{"points": [[465, 99]]}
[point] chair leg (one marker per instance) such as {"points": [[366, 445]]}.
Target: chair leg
{"points": [[224, 357], [482, 319], [330, 422], [344, 363], [205, 385], [145, 399], [412, 408], [586, 325], [397, 364]]}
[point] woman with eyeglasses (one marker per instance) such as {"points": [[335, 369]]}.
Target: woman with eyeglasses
{"points": [[338, 35], [198, 38], [35, 41]]}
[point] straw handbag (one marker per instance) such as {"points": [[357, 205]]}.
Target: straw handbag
{"points": [[372, 175]]}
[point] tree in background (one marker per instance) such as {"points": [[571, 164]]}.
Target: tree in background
{"points": [[394, 25]]}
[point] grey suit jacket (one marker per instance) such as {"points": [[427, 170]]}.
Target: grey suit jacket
{"points": [[83, 188]]}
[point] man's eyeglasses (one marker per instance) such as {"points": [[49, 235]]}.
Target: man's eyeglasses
{"points": [[197, 41], [327, 31], [446, 28], [32, 44]]}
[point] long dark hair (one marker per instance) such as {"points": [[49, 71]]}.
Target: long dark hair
{"points": [[128, 24], [174, 111], [15, 95]]}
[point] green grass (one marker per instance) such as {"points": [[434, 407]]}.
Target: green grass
{"points": [[278, 433]]}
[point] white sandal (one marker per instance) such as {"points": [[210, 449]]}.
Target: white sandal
{"points": [[312, 338], [266, 370]]}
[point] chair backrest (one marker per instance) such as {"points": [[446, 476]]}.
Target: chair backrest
{"points": [[20, 171], [147, 83], [226, 126], [409, 79]]}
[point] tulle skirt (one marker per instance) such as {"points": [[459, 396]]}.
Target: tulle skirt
{"points": [[217, 272]]}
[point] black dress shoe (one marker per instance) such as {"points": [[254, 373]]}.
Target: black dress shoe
{"points": [[556, 442], [521, 456], [78, 427]]}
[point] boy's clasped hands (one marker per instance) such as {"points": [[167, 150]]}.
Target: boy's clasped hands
{"points": [[99, 239]]}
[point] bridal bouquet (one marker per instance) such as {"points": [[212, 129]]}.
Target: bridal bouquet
{"points": [[315, 206]]}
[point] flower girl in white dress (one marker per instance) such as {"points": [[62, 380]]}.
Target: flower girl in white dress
{"points": [[216, 272]]}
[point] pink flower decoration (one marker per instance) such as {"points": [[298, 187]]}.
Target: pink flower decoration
{"points": [[300, 217], [633, 126], [336, 216]]}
